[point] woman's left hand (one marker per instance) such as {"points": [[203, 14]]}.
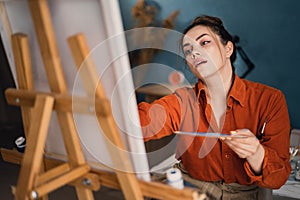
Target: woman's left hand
{"points": [[247, 147], [243, 146]]}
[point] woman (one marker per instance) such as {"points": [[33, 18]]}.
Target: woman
{"points": [[254, 116]]}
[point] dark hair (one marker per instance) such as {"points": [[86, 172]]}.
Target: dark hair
{"points": [[216, 25]]}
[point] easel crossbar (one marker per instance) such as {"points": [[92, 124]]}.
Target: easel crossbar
{"points": [[63, 102], [51, 174], [62, 179]]}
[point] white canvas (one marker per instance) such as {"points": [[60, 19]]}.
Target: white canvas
{"points": [[101, 23]]}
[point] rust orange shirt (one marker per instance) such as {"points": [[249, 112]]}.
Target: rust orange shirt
{"points": [[249, 105]]}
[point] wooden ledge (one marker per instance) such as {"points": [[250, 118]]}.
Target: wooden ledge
{"points": [[109, 179]]}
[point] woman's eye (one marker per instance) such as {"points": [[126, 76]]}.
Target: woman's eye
{"points": [[187, 52], [205, 43]]}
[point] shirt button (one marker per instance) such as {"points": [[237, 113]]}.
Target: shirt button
{"points": [[227, 155]]}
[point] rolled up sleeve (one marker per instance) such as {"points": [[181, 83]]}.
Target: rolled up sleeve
{"points": [[160, 118], [276, 164]]}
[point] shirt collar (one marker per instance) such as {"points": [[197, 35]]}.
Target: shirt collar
{"points": [[237, 91], [200, 89]]}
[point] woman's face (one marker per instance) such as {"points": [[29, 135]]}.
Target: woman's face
{"points": [[204, 52]]}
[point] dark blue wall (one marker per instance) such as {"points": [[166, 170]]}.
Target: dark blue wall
{"points": [[268, 30]]}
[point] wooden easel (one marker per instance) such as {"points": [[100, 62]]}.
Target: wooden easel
{"points": [[30, 183], [37, 108]]}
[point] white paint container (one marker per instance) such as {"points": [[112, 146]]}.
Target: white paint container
{"points": [[174, 178]]}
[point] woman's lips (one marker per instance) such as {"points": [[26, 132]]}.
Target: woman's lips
{"points": [[199, 61]]}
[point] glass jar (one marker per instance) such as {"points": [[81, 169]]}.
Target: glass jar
{"points": [[297, 170]]}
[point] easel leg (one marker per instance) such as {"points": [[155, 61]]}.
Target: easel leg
{"points": [[35, 146], [20, 47], [21, 51], [126, 178], [47, 42]]}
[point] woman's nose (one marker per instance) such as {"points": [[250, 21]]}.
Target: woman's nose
{"points": [[195, 53]]}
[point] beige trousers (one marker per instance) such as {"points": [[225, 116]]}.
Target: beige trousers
{"points": [[220, 190]]}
